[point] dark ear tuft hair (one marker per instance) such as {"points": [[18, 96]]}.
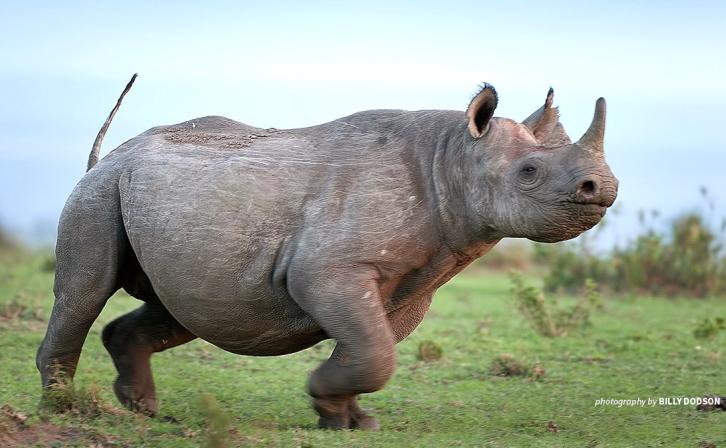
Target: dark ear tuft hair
{"points": [[481, 110], [550, 97]]}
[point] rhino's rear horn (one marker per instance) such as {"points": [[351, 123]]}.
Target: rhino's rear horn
{"points": [[594, 137], [481, 110], [544, 123]]}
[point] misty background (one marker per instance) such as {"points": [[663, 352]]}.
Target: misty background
{"points": [[661, 66]]}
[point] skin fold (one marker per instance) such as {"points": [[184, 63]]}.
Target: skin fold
{"points": [[265, 241]]}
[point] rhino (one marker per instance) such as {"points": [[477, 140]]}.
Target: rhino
{"points": [[267, 241]]}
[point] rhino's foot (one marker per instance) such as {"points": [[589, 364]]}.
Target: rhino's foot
{"points": [[359, 419], [134, 398], [343, 414], [131, 340], [333, 413]]}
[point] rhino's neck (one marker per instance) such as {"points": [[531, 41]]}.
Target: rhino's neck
{"points": [[460, 227]]}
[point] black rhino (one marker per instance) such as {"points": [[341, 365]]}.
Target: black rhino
{"points": [[266, 241]]}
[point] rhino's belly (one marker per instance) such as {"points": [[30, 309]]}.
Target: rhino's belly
{"points": [[263, 325], [265, 338], [272, 343]]}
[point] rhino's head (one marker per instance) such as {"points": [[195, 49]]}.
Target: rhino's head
{"points": [[537, 183]]}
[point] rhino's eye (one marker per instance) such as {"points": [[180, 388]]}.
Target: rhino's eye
{"points": [[530, 175]]}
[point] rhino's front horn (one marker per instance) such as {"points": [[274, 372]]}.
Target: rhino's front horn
{"points": [[593, 138]]}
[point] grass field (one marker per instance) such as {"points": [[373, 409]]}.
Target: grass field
{"points": [[636, 347]]}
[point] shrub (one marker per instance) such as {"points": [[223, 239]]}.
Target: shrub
{"points": [[708, 329], [548, 317], [507, 255], [686, 259], [506, 365], [569, 269], [429, 351], [48, 264]]}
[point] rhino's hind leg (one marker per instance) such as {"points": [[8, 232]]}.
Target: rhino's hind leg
{"points": [[131, 340], [91, 244]]}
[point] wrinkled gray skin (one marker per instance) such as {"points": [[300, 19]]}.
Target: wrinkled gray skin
{"points": [[265, 242]]}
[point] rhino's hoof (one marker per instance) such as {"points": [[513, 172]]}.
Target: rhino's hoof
{"points": [[336, 422], [141, 405], [362, 422], [365, 422], [359, 419]]}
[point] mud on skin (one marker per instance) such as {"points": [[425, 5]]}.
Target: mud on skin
{"points": [[265, 241]]}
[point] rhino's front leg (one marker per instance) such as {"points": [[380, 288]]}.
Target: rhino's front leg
{"points": [[402, 322], [347, 305], [343, 413]]}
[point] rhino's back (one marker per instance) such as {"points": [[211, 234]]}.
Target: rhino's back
{"points": [[360, 131]]}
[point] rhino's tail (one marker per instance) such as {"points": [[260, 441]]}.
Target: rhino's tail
{"points": [[93, 157]]}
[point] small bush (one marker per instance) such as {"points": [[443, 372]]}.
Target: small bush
{"points": [[538, 372], [506, 365], [48, 264], [570, 267], [708, 329], [549, 318], [429, 351], [507, 255]]}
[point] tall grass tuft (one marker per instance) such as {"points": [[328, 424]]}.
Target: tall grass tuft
{"points": [[218, 422]]}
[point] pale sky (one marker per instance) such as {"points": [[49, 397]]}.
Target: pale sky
{"points": [[661, 65]]}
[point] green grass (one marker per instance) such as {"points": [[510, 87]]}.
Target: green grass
{"points": [[636, 347]]}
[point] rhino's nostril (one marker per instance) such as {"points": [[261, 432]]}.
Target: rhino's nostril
{"points": [[587, 188]]}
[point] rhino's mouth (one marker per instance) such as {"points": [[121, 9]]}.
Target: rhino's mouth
{"points": [[591, 208]]}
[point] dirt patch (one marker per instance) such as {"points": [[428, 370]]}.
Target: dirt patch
{"points": [[552, 427], [712, 403], [216, 139], [17, 431], [44, 434]]}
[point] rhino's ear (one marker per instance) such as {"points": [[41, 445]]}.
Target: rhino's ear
{"points": [[481, 109], [545, 124]]}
